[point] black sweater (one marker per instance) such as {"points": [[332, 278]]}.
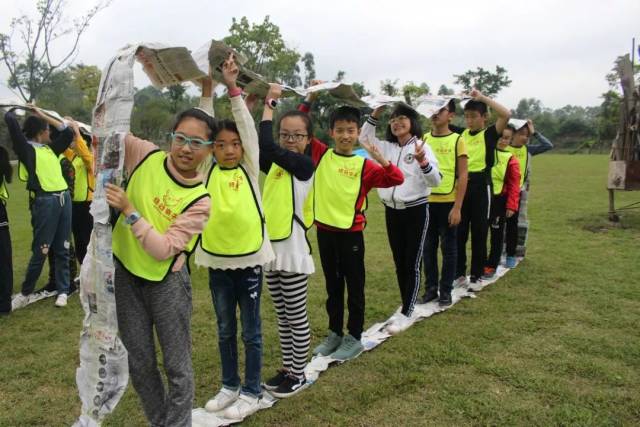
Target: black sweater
{"points": [[299, 165]]}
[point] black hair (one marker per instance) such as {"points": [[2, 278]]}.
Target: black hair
{"points": [[6, 171], [33, 125], [511, 127], [403, 110], [302, 115], [451, 106], [226, 124], [346, 113], [198, 114], [473, 105]]}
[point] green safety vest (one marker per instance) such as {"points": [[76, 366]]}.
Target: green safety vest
{"points": [[337, 185], [81, 184], [4, 193], [499, 171], [446, 150], [279, 205], [159, 199], [236, 224], [476, 150], [522, 154], [48, 170]]}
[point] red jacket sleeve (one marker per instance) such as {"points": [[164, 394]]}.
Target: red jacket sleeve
{"points": [[375, 176], [512, 184], [318, 148]]}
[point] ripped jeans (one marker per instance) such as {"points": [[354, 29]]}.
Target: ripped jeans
{"points": [[229, 289], [51, 222]]}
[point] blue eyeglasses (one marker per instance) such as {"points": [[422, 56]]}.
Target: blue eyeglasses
{"points": [[181, 140]]}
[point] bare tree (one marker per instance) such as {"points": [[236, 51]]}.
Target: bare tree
{"points": [[26, 50]]}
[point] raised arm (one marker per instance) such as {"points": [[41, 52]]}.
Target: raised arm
{"points": [[542, 145], [503, 113], [368, 131]]}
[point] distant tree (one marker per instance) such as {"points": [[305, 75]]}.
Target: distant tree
{"points": [[444, 90], [412, 91], [489, 83], [72, 91], [389, 87], [27, 49]]}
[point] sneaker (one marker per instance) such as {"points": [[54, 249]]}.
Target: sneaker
{"points": [[243, 406], [445, 299], [461, 282], [223, 399], [429, 295], [511, 262], [61, 301], [489, 273], [273, 382], [329, 345], [399, 324], [19, 301], [350, 348], [290, 386]]}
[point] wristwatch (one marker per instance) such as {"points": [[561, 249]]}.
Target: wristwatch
{"points": [[271, 103], [133, 218]]}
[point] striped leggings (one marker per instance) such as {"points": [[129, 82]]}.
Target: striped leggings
{"points": [[289, 294]]}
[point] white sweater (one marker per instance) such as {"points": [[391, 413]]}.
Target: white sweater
{"points": [[417, 180]]}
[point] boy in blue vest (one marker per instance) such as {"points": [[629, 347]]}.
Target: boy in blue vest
{"points": [[341, 184]]}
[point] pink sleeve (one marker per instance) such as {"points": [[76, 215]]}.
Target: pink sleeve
{"points": [[175, 239], [135, 150]]}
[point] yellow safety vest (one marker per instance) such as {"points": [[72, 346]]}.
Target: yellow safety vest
{"points": [[159, 199], [81, 186], [236, 224], [279, 205], [48, 170], [337, 186], [476, 149], [499, 171], [522, 154], [446, 150], [4, 193]]}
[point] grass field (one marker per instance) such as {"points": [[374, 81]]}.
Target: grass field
{"points": [[555, 342]]}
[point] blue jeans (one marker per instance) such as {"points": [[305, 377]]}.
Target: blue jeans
{"points": [[229, 289], [51, 222]]}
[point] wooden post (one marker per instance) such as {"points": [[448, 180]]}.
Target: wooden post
{"points": [[613, 216]]}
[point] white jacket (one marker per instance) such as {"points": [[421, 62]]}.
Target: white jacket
{"points": [[417, 180]]}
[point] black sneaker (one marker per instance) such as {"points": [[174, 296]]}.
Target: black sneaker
{"points": [[276, 380], [428, 296], [444, 300], [290, 386]]}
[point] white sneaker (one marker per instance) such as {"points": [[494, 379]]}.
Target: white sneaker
{"points": [[19, 301], [461, 282], [244, 406], [399, 324], [224, 398], [61, 301]]}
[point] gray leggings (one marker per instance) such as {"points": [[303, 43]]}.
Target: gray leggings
{"points": [[141, 305]]}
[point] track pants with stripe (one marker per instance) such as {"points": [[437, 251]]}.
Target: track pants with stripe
{"points": [[289, 294], [407, 229]]}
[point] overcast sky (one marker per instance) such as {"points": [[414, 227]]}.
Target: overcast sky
{"points": [[557, 51]]}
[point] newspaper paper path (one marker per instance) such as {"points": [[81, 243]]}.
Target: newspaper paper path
{"points": [[103, 373]]}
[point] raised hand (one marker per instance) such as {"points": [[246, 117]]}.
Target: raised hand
{"points": [[230, 72], [378, 111], [420, 155], [531, 128], [275, 91], [374, 152]]}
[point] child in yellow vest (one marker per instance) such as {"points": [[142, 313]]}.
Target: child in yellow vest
{"points": [[161, 213], [234, 246]]}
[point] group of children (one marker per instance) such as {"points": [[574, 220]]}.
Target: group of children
{"points": [[203, 196]]}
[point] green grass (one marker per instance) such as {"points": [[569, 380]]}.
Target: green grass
{"points": [[555, 342]]}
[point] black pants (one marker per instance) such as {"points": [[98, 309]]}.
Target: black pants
{"points": [[6, 263], [512, 234], [406, 229], [81, 226], [342, 258], [440, 233], [475, 218], [496, 227]]}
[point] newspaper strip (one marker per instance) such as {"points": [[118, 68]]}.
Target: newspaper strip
{"points": [[103, 373]]}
